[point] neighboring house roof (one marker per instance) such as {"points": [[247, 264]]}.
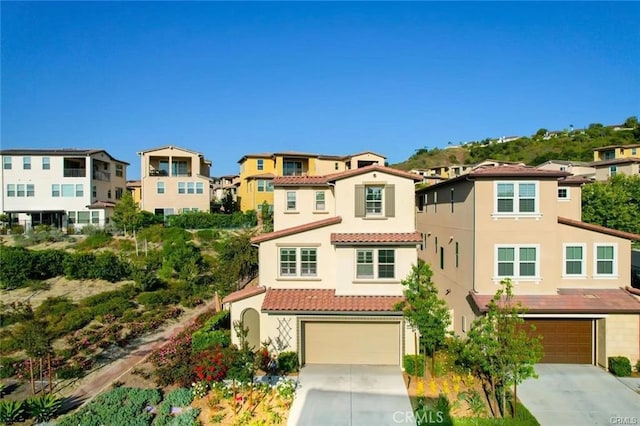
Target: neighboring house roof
{"points": [[296, 229], [170, 147], [579, 300], [134, 183], [574, 180], [262, 176], [300, 181], [305, 154], [59, 153], [615, 161], [243, 294], [598, 228], [378, 238], [363, 153], [607, 148], [373, 168], [255, 155], [101, 205], [315, 300], [566, 163]]}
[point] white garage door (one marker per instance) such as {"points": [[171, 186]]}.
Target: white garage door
{"points": [[375, 343]]}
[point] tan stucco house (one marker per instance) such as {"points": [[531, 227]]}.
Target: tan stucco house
{"points": [[174, 180], [525, 224], [330, 272]]}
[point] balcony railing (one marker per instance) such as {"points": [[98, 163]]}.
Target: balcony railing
{"points": [[74, 172], [155, 172], [100, 175]]}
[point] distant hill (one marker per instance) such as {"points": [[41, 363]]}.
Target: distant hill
{"points": [[574, 145]]}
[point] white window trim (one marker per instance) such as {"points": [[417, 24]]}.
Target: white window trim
{"points": [[315, 202], [583, 275], [568, 197], [382, 214], [375, 278], [295, 201], [298, 275], [612, 276], [516, 198], [516, 262]]}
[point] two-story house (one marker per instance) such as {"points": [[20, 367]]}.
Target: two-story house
{"points": [[60, 187], [330, 273], [611, 160], [174, 180], [575, 168], [258, 170], [525, 224], [223, 185]]}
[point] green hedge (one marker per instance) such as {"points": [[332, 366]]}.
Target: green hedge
{"points": [[202, 340], [620, 366], [288, 362], [205, 220], [408, 363]]}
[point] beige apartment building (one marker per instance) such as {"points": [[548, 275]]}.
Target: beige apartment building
{"points": [[525, 224], [330, 274], [174, 180]]}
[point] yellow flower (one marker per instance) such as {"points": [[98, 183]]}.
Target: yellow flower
{"points": [[420, 388], [432, 386]]}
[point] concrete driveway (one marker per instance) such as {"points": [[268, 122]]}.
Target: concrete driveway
{"points": [[579, 395], [351, 395]]}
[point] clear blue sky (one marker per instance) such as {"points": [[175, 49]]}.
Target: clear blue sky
{"points": [[228, 79]]}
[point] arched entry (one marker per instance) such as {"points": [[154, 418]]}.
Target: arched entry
{"points": [[251, 321]]}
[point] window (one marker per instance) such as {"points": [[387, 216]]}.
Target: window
{"points": [[320, 203], [72, 217], [26, 163], [83, 217], [368, 262], [605, 260], [288, 262], [191, 187], [634, 151], [373, 200], [457, 254], [291, 200], [31, 190], [55, 190], [260, 164], [292, 168], [109, 194], [163, 168], [613, 170], [119, 170], [182, 188], [94, 191], [452, 198], [574, 259], [563, 193], [517, 262], [20, 192], [516, 197], [180, 168], [119, 192], [11, 190], [308, 262], [335, 166], [261, 185], [436, 245], [68, 190], [199, 188], [79, 190], [95, 217], [160, 187], [6, 163], [46, 163]]}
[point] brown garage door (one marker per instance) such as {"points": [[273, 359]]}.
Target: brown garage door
{"points": [[565, 341], [376, 343]]}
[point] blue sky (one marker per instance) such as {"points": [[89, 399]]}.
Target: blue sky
{"points": [[232, 78]]}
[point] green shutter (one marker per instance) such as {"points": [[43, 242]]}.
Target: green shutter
{"points": [[390, 200], [359, 200]]}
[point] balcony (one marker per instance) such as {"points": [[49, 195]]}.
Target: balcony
{"points": [[100, 175], [156, 172], [74, 172]]}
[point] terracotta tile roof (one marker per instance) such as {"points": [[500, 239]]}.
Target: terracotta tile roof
{"points": [[316, 300], [379, 237], [615, 161], [296, 229], [243, 294], [300, 181], [373, 168], [580, 300], [598, 228], [515, 171]]}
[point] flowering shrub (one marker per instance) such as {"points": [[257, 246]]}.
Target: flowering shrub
{"points": [[212, 366], [286, 390], [172, 361], [199, 389]]}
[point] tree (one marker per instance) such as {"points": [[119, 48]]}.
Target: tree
{"points": [[614, 204], [500, 348], [126, 214], [237, 261], [631, 122], [33, 339], [424, 310], [228, 203], [266, 214]]}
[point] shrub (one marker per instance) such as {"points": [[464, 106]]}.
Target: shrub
{"points": [[47, 264], [7, 367], [71, 321], [620, 366], [17, 230], [105, 265], [212, 366], [180, 397], [146, 280], [55, 306], [15, 312], [95, 240], [16, 266], [202, 340], [43, 408], [205, 220], [158, 298], [11, 411], [288, 362], [638, 366], [408, 363]]}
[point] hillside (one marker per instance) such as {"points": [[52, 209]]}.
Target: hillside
{"points": [[575, 146]]}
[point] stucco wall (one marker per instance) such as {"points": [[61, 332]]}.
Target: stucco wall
{"points": [[622, 336]]}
